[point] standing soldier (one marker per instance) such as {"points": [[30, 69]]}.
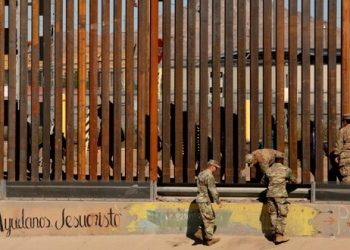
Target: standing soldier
{"points": [[342, 151], [263, 159], [207, 193], [275, 178]]}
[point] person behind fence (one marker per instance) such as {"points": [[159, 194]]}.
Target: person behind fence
{"points": [[206, 194], [262, 159], [276, 178], [342, 151]]}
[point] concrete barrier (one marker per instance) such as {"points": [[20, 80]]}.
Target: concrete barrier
{"points": [[34, 218]]}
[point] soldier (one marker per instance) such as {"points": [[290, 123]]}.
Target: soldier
{"points": [[263, 159], [275, 178], [342, 151], [207, 193]]}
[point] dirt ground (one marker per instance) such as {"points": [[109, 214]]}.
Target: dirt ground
{"points": [[166, 241]]}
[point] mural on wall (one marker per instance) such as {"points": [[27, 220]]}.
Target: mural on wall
{"points": [[243, 218], [108, 218], [24, 222]]}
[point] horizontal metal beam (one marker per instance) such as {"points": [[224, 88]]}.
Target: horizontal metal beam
{"points": [[72, 190], [230, 192], [145, 191], [2, 189], [330, 192]]}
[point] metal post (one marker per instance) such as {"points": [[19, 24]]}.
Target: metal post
{"points": [[18, 48], [345, 64], [153, 90]]}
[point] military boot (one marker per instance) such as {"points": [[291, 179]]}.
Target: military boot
{"points": [[199, 233], [281, 238], [212, 241]]}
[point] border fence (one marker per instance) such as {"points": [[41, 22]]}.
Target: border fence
{"points": [[157, 88]]}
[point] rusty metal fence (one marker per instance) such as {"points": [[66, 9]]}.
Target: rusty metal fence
{"points": [[150, 90]]}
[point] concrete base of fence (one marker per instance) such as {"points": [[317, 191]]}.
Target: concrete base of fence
{"points": [[37, 218]]}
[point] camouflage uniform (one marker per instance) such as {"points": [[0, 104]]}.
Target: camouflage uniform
{"points": [[207, 193], [343, 150], [275, 178], [265, 157]]}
